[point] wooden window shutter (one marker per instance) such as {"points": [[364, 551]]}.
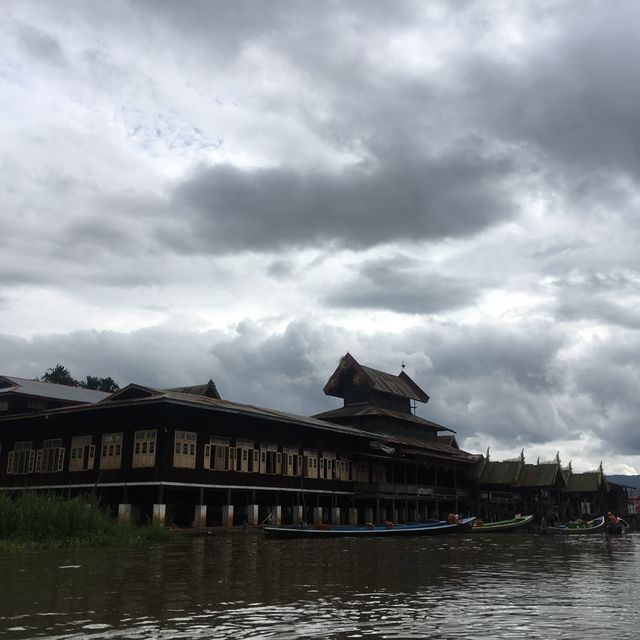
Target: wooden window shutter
{"points": [[60, 458]]}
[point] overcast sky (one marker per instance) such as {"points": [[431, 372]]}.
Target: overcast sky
{"points": [[245, 191]]}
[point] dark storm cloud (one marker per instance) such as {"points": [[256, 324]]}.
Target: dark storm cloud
{"points": [[226, 209], [399, 284]]}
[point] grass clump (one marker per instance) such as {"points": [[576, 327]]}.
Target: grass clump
{"points": [[38, 520]]}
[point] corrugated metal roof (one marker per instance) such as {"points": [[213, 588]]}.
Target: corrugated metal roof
{"points": [[148, 394], [209, 389], [54, 391], [422, 446], [400, 386], [362, 410], [497, 473], [540, 475], [588, 481]]}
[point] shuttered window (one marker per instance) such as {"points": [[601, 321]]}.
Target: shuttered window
{"points": [[111, 451]]}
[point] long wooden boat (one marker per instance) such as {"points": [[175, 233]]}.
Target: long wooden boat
{"points": [[438, 527], [597, 525], [519, 522]]}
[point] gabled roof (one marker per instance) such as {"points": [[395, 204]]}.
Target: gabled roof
{"points": [[208, 390], [590, 481], [541, 475], [38, 389], [400, 386], [449, 440], [501, 473]]}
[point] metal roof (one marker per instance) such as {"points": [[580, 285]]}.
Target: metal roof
{"points": [[422, 446], [400, 386], [209, 389], [589, 481], [148, 394], [362, 410], [496, 473], [36, 388], [540, 475]]}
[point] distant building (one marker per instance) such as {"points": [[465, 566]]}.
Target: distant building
{"points": [[20, 395]]}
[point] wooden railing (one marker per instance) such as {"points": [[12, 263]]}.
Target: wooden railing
{"points": [[408, 490]]}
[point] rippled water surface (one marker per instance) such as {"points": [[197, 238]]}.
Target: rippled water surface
{"points": [[243, 586]]}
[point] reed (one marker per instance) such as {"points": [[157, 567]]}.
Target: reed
{"points": [[30, 519]]}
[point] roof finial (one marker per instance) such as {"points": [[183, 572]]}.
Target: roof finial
{"points": [[403, 365], [522, 456], [488, 453]]}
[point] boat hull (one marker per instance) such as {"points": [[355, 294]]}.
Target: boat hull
{"points": [[597, 525], [503, 526], [367, 532]]}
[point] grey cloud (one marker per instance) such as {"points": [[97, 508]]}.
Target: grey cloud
{"points": [[41, 45], [281, 269], [596, 298], [226, 209], [399, 284], [504, 384]]}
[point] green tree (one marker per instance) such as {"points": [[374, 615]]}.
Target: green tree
{"points": [[59, 375], [108, 384]]}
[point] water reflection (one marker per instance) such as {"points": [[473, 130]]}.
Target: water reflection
{"points": [[243, 586]]}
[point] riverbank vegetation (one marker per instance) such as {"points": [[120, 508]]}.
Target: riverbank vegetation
{"points": [[46, 520]]}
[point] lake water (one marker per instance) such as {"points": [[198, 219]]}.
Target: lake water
{"points": [[244, 586]]}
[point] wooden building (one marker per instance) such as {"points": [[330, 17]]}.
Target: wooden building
{"points": [[187, 456], [416, 471]]}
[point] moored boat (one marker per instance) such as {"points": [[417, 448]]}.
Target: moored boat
{"points": [[519, 522], [438, 527], [597, 525]]}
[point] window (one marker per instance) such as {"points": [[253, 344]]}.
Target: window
{"points": [[4, 405], [243, 455], [50, 458], [22, 458], [111, 452], [185, 450], [310, 463], [327, 465], [269, 462], [144, 448], [343, 469], [218, 456], [361, 472], [83, 454], [291, 461]]}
